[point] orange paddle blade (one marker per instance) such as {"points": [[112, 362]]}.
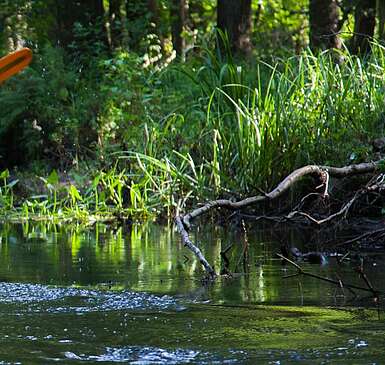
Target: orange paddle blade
{"points": [[14, 62]]}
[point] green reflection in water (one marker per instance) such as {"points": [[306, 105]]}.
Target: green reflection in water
{"points": [[151, 258], [141, 256]]}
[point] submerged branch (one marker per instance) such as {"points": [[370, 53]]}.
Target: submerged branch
{"points": [[361, 237], [339, 282], [188, 243]]}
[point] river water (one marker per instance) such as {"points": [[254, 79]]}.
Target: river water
{"points": [[134, 294]]}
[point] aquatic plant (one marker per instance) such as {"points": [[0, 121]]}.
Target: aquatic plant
{"points": [[6, 191]]}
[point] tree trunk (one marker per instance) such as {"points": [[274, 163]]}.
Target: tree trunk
{"points": [[155, 18], [324, 20], [381, 19], [96, 19], [68, 14], [136, 22], [178, 18], [87, 13], [234, 18], [364, 23], [97, 8], [3, 20], [115, 16], [153, 8]]}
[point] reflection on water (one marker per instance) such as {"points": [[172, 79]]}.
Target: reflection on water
{"points": [[133, 294]]}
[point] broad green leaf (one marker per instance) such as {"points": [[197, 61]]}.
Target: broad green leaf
{"points": [[53, 178]]}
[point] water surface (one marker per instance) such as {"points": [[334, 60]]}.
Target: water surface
{"points": [[134, 294]]}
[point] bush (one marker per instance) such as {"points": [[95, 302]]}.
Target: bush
{"points": [[49, 111]]}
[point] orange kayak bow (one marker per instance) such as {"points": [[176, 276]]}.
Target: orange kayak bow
{"points": [[14, 63]]}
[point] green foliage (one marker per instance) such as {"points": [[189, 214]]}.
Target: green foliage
{"points": [[6, 191], [155, 136], [281, 25], [297, 112], [219, 70], [122, 92], [245, 130], [48, 110]]}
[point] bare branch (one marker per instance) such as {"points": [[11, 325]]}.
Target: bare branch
{"points": [[323, 172], [328, 280], [187, 242]]}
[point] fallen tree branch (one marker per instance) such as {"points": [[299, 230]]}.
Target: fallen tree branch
{"points": [[187, 242], [301, 271], [284, 185], [360, 237], [342, 212], [322, 172]]}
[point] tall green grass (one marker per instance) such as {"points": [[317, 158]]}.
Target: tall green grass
{"points": [[306, 109], [220, 127], [246, 130]]}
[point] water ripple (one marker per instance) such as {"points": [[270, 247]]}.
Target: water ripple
{"points": [[145, 355], [153, 355], [58, 300]]}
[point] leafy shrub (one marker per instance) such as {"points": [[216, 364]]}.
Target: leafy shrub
{"points": [[48, 111]]}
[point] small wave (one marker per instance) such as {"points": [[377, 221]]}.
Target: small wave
{"points": [[141, 355], [38, 297]]}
